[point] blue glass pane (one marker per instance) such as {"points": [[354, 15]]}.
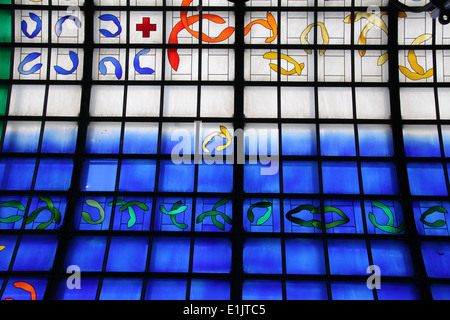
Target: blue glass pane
{"points": [[262, 290], [140, 138], [99, 175], [97, 211], [121, 289], [215, 178], [431, 212], [350, 291], [440, 291], [43, 205], [340, 177], [299, 140], [348, 256], [300, 177], [261, 178], [103, 137], [137, 175], [54, 174], [12, 292], [346, 209], [36, 253], [176, 178], [9, 243], [260, 221], [379, 178], [212, 255], [16, 173], [127, 254], [398, 291], [421, 141], [21, 136], [304, 209], [306, 290], [88, 290], [87, 252], [136, 216], [177, 139], [261, 140], [375, 141], [305, 256], [380, 213], [337, 140], [59, 138], [210, 289], [166, 289], [163, 221], [205, 222], [436, 256], [446, 139], [393, 257], [7, 211], [170, 254], [426, 179], [262, 256]]}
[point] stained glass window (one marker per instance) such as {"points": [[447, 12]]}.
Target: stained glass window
{"points": [[215, 149]]}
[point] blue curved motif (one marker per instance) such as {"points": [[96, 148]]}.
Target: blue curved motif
{"points": [[32, 56], [74, 57], [36, 31], [137, 66], [58, 26], [110, 17], [115, 62]]}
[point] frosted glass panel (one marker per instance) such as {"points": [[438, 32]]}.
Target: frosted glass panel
{"points": [[260, 102], [106, 101], [335, 103]]}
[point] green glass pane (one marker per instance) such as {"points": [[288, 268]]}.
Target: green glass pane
{"points": [[5, 1], [3, 99], [5, 25], [5, 62]]}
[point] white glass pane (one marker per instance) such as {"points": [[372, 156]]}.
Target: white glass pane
{"points": [[143, 101], [180, 101], [106, 100], [372, 103], [260, 102], [27, 100], [335, 103], [297, 102], [64, 101], [417, 103], [217, 101]]}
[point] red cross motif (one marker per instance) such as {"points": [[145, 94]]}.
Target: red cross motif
{"points": [[146, 27]]}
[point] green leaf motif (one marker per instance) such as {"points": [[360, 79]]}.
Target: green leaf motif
{"points": [[55, 214], [264, 204], [177, 208], [12, 204], [437, 223], [213, 214], [314, 222], [95, 204], [389, 226], [129, 205], [11, 219]]}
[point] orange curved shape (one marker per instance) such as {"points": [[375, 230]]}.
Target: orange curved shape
{"points": [[25, 286], [225, 34], [174, 58], [270, 24]]}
